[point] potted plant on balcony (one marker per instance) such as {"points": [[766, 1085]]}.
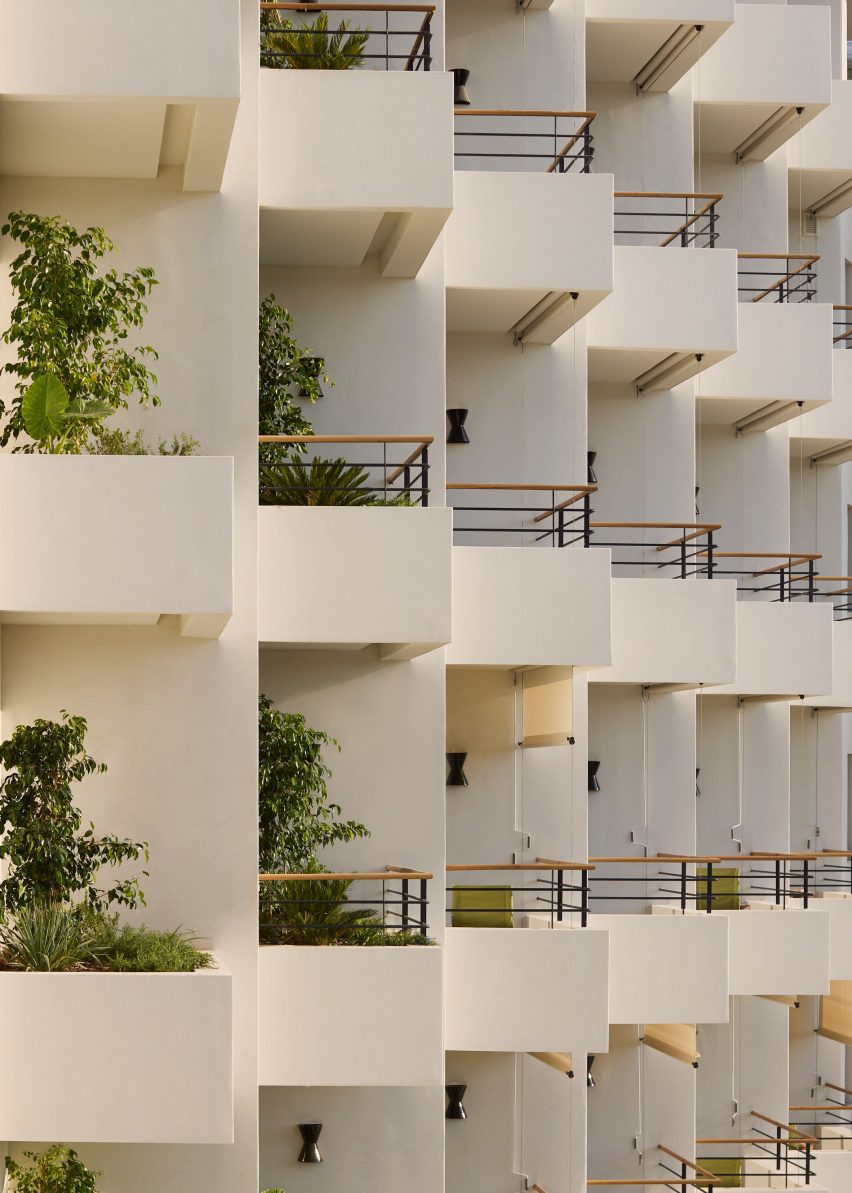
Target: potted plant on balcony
{"points": [[309, 47], [58, 1170]]}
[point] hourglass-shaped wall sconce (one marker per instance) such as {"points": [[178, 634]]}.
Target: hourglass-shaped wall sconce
{"points": [[455, 1107], [310, 1153], [456, 777], [457, 433], [594, 784]]}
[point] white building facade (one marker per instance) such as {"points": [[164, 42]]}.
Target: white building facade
{"points": [[586, 651]]}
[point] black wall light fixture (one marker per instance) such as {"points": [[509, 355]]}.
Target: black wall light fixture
{"points": [[461, 99], [594, 784], [315, 366], [455, 1108], [697, 788], [456, 777], [310, 1153], [591, 475], [457, 433], [590, 1081]]}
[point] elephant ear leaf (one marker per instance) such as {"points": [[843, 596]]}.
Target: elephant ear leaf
{"points": [[91, 411], [43, 407]]}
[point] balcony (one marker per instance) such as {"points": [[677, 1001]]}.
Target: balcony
{"points": [[386, 197], [109, 99], [671, 633], [750, 100], [529, 243], [375, 1010], [766, 1154], [488, 1000], [783, 649], [671, 311], [159, 534], [384, 522], [783, 365], [652, 45], [163, 1039], [820, 178]]}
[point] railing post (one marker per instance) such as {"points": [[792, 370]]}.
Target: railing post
{"points": [[587, 519], [684, 241], [587, 149], [423, 907], [807, 1163], [427, 42], [709, 887], [683, 886], [713, 226], [424, 477], [778, 1148], [584, 898], [709, 554], [781, 584], [778, 881], [406, 481], [404, 904], [560, 524], [387, 40], [683, 556], [805, 883], [560, 887], [811, 575]]}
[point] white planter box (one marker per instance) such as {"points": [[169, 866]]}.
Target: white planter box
{"points": [[106, 540], [117, 1058], [350, 1015], [97, 98], [372, 146], [668, 305], [352, 577], [526, 990], [518, 244]]}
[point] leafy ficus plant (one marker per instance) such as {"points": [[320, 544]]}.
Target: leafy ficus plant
{"points": [[58, 1170], [50, 856], [71, 323]]}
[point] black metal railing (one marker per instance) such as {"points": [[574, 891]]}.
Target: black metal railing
{"points": [[691, 553], [828, 1117], [666, 217], [511, 138], [720, 882], [776, 1151], [776, 277], [562, 888], [538, 513], [842, 324], [791, 578], [389, 36], [840, 597], [376, 470], [319, 908]]}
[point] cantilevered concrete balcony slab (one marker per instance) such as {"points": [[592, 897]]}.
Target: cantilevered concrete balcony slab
{"points": [[782, 368], [171, 1031], [783, 649], [763, 957], [523, 990], [651, 44], [350, 1015], [530, 606], [401, 559], [838, 909], [775, 60], [519, 245], [364, 170], [841, 649], [825, 433], [666, 968], [158, 541], [671, 632], [669, 306], [85, 95], [821, 160]]}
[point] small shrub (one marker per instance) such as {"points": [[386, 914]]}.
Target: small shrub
{"points": [[58, 1170], [322, 482], [47, 938], [310, 47], [126, 443], [126, 949]]}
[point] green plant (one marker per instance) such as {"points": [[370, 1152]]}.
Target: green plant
{"points": [[310, 47], [48, 938], [296, 817], [70, 321], [283, 364], [321, 482], [126, 443], [52, 420], [122, 948], [317, 913], [58, 1170], [49, 859]]}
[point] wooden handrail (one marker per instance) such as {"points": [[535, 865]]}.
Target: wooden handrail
{"points": [[827, 1106], [666, 195], [527, 488], [539, 864], [311, 6], [425, 440], [841, 1089], [693, 1181], [397, 472], [562, 505], [355, 876], [659, 525], [660, 857], [683, 1160], [754, 856], [806, 259], [774, 1122], [589, 116]]}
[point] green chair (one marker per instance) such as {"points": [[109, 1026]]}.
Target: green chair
{"points": [[729, 1170], [726, 888], [482, 907]]}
